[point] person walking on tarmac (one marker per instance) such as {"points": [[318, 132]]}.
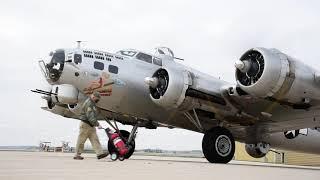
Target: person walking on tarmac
{"points": [[88, 126]]}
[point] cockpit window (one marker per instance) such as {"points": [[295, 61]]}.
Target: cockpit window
{"points": [[128, 53], [77, 58], [144, 57], [157, 61]]}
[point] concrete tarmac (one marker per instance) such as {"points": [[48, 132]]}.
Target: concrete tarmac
{"points": [[53, 166]]}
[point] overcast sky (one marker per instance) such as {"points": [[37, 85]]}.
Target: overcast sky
{"points": [[210, 35]]}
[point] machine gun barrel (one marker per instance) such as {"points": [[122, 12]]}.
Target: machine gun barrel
{"points": [[39, 91]]}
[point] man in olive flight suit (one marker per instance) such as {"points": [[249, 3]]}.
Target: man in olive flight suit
{"points": [[88, 126]]}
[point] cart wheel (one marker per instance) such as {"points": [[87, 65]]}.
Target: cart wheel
{"points": [[121, 158], [114, 156], [113, 149]]}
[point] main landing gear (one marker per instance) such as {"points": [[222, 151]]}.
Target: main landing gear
{"points": [[218, 145]]}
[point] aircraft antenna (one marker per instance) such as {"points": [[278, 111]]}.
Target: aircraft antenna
{"points": [[78, 44]]}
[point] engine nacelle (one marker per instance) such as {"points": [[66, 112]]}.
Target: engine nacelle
{"points": [[168, 87], [257, 150], [59, 110], [65, 94], [270, 73]]}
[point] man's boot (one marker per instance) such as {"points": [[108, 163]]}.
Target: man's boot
{"points": [[78, 157], [103, 155]]}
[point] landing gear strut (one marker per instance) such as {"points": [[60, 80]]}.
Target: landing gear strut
{"points": [[218, 145]]}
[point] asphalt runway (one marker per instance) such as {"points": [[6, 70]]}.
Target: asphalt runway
{"points": [[53, 166]]}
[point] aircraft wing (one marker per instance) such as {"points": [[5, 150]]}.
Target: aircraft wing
{"points": [[274, 93]]}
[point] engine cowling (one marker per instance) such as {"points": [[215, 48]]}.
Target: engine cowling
{"points": [[168, 87], [258, 150], [270, 73], [65, 94]]}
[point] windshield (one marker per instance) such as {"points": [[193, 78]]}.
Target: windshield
{"points": [[144, 57]]}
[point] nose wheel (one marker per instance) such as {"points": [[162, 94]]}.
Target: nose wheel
{"points": [[218, 145], [115, 156]]}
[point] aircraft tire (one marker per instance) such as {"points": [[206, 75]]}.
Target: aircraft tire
{"points": [[218, 145], [132, 145]]}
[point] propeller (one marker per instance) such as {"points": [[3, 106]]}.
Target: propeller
{"points": [[158, 83], [250, 69]]}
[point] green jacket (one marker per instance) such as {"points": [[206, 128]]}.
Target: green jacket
{"points": [[89, 112]]}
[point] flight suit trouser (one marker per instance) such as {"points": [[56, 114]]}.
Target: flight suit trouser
{"points": [[88, 132]]}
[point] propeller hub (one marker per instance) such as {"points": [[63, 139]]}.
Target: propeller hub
{"points": [[244, 66], [158, 83], [151, 81], [239, 65]]}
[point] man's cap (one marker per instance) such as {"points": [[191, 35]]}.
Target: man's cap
{"points": [[97, 95]]}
